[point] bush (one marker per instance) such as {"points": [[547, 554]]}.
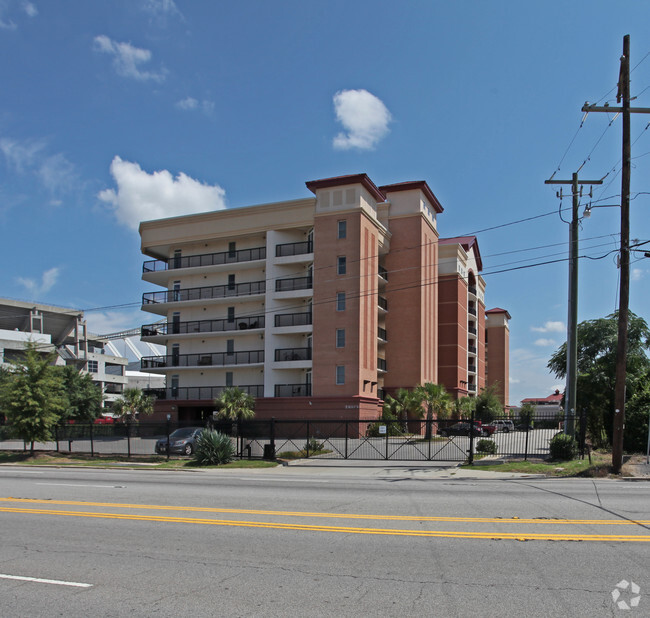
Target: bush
{"points": [[213, 448], [563, 447], [488, 447], [313, 445]]}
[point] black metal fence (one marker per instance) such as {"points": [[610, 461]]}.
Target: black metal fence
{"points": [[412, 440]]}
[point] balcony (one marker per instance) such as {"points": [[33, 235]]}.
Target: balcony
{"points": [[201, 326], [471, 330], [472, 289], [381, 364], [383, 303], [293, 284], [292, 354], [205, 293], [381, 334], [383, 273], [292, 390], [471, 388], [201, 392], [214, 359], [471, 311], [471, 348], [294, 248], [293, 319], [207, 259], [471, 368]]}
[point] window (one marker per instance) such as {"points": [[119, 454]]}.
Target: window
{"points": [[340, 337], [229, 378], [342, 231], [230, 346], [341, 265], [340, 374], [93, 366], [340, 301], [231, 314], [177, 290], [174, 386], [231, 282], [232, 250]]}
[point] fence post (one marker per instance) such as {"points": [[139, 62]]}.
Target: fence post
{"points": [[527, 432], [307, 444], [470, 458], [168, 432], [429, 446], [128, 435], [56, 437], [347, 427], [92, 444], [273, 435], [387, 434]]}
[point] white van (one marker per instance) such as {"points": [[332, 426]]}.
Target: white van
{"points": [[504, 426]]}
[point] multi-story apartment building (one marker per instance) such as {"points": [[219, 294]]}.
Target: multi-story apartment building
{"points": [[316, 306]]}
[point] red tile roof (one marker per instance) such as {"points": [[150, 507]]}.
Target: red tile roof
{"points": [[466, 242], [414, 184], [351, 179]]}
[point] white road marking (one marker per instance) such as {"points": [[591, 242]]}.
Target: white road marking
{"points": [[80, 485], [39, 580]]}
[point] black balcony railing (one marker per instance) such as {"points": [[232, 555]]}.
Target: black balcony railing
{"points": [[382, 302], [381, 333], [471, 368], [201, 392], [218, 359], [205, 293], [294, 283], [471, 311], [471, 330], [471, 388], [293, 319], [292, 390], [206, 259], [383, 273], [293, 354], [381, 364], [471, 348], [202, 326], [471, 289], [294, 248]]}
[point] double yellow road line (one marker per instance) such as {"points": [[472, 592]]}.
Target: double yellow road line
{"points": [[496, 534]]}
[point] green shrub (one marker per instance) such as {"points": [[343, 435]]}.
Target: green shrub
{"points": [[489, 447], [213, 448], [563, 447], [313, 445]]}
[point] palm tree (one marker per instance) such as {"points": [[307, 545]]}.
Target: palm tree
{"points": [[437, 400], [234, 404], [132, 404], [464, 407], [401, 404]]}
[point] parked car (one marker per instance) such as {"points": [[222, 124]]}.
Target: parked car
{"points": [[459, 429], [487, 430], [523, 427], [182, 441], [503, 425]]}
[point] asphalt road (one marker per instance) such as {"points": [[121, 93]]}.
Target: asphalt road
{"points": [[354, 540]]}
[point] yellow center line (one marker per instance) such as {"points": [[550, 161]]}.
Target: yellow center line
{"points": [[519, 536], [200, 509]]}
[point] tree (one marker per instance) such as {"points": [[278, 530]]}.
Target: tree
{"points": [[527, 413], [437, 400], [32, 396], [234, 404], [597, 340], [84, 397], [133, 403], [464, 407], [488, 404], [401, 404]]}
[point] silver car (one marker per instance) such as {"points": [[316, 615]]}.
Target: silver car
{"points": [[182, 441]]}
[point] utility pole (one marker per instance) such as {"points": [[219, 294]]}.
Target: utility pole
{"points": [[570, 392], [623, 96]]}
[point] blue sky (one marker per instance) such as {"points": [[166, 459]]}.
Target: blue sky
{"points": [[113, 111]]}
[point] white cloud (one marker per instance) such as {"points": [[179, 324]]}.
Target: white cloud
{"points": [[637, 274], [30, 9], [545, 342], [363, 116], [187, 103], [550, 327], [105, 322], [38, 288], [141, 196], [161, 9], [127, 59], [55, 172]]}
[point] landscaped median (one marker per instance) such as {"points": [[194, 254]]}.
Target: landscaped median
{"points": [[113, 461]]}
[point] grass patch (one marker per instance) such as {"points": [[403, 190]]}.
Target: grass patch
{"points": [[140, 462], [600, 466]]}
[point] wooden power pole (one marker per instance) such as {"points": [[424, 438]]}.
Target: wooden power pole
{"points": [[623, 97]]}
